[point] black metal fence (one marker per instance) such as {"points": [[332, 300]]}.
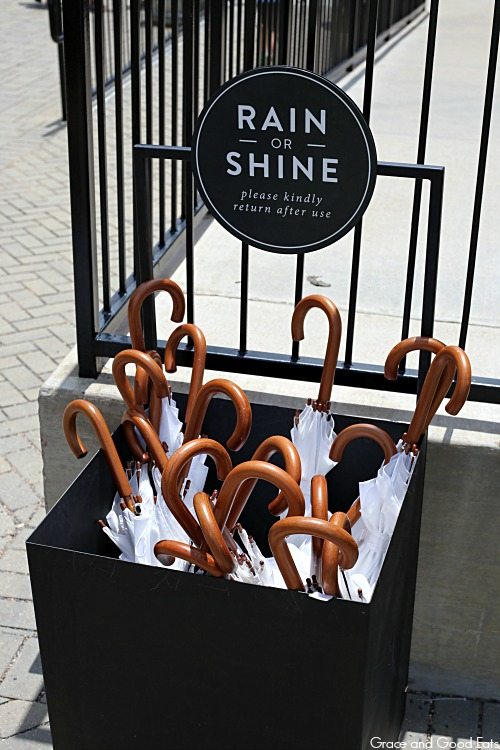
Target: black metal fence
{"points": [[159, 104]]}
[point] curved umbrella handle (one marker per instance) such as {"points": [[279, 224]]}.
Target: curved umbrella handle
{"points": [[230, 504], [332, 556], [141, 422], [319, 509], [212, 533], [140, 359], [142, 381], [173, 474], [334, 333], [80, 406], [313, 527], [263, 452], [136, 301], [402, 348], [362, 430], [241, 404], [190, 554], [200, 353], [417, 343], [439, 378]]}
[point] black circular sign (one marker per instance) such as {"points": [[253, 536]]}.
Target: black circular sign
{"points": [[284, 159]]}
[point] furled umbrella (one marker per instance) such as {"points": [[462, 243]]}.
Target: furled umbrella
{"points": [[129, 523], [313, 430], [375, 513]]}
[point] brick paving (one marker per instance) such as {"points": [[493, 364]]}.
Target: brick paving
{"points": [[36, 332]]}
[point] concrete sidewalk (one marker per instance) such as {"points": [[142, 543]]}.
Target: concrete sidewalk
{"points": [[36, 310]]}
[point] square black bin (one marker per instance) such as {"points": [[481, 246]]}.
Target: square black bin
{"points": [[138, 657]]}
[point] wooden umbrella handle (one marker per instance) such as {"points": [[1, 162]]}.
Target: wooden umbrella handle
{"points": [[140, 359], [438, 380], [362, 430], [313, 527], [332, 556], [230, 505], [183, 551], [241, 405], [137, 299], [200, 354], [263, 452], [142, 381], [334, 334], [172, 478], [319, 509], [212, 533], [419, 343], [80, 406], [141, 422]]}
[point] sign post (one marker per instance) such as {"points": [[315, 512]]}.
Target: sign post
{"points": [[284, 160]]}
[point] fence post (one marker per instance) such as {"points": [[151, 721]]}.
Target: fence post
{"points": [[81, 177], [215, 44]]}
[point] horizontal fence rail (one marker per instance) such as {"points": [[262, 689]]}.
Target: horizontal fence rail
{"points": [[140, 72]]}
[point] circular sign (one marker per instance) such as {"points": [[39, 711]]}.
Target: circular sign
{"points": [[284, 159]]}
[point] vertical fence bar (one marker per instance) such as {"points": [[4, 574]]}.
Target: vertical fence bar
{"points": [[248, 60], [215, 46], [356, 250], [81, 172], [135, 52], [310, 57], [282, 34], [431, 268], [196, 59], [148, 28], [481, 169], [187, 131], [144, 262], [118, 86], [161, 119], [417, 193], [173, 113], [99, 44]]}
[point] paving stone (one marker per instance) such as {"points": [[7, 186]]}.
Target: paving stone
{"points": [[23, 680], [19, 716], [10, 445], [22, 377], [10, 395], [4, 465], [10, 644], [454, 718], [15, 561], [15, 613], [16, 493], [15, 586], [27, 409], [416, 721], [35, 739], [491, 722], [25, 425], [29, 464]]}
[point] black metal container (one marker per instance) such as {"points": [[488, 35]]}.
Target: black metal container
{"points": [[136, 657]]}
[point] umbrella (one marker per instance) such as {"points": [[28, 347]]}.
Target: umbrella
{"points": [[376, 511], [313, 430], [368, 516], [129, 519]]}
